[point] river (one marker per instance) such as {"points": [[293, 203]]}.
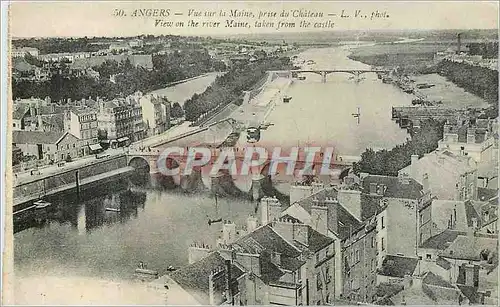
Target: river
{"points": [[84, 242]]}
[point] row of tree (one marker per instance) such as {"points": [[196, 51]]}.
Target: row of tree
{"points": [[480, 81], [389, 162], [229, 87]]}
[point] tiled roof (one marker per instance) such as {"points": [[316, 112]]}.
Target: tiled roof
{"points": [[445, 264], [20, 111], [370, 205], [442, 240], [469, 247], [442, 210], [471, 214], [265, 238], [35, 137], [346, 222], [395, 188], [398, 266], [432, 279], [317, 241], [486, 194], [291, 264], [194, 277]]}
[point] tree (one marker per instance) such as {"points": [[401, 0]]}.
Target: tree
{"points": [[176, 110]]}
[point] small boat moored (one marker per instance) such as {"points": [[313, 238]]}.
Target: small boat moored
{"points": [[287, 99], [113, 209], [41, 204]]}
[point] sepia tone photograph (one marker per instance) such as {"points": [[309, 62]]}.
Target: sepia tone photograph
{"points": [[251, 153]]}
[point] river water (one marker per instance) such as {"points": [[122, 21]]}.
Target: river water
{"points": [[82, 240]]}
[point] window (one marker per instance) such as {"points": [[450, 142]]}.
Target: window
{"points": [[372, 266], [327, 274], [421, 218], [67, 146], [328, 298], [74, 145], [428, 256], [299, 274], [357, 256], [317, 257], [382, 244], [318, 303], [373, 242], [382, 222], [318, 281]]}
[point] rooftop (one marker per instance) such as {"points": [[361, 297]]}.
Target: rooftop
{"points": [[398, 266], [443, 240], [395, 188], [469, 247], [194, 277], [344, 220], [36, 137]]}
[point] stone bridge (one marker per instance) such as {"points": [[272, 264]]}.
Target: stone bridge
{"points": [[222, 182], [325, 72]]}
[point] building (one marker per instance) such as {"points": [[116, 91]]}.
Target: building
{"points": [[82, 123], [212, 280], [448, 176], [359, 255], [47, 146], [136, 43], [472, 259], [440, 215], [155, 113], [121, 119], [51, 122], [478, 139], [119, 47], [21, 52], [325, 214]]}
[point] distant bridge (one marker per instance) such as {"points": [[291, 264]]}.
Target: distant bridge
{"points": [[324, 72]]}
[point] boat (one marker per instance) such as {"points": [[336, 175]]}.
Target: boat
{"points": [[41, 204], [113, 209], [357, 115], [386, 80], [310, 62], [287, 99], [171, 269], [301, 78], [210, 222], [424, 85], [143, 272]]}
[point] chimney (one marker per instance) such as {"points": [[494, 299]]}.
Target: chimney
{"points": [[373, 188], [471, 135], [425, 183], [251, 223], [413, 165], [291, 231], [250, 262], [469, 275], [40, 122], [332, 219], [351, 200], [276, 258], [319, 217], [407, 281], [228, 232], [381, 189], [459, 42], [229, 289], [270, 209]]}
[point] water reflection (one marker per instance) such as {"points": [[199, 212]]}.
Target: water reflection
{"points": [[88, 210]]}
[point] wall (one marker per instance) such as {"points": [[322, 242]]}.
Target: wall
{"points": [[401, 227], [67, 177], [69, 145]]}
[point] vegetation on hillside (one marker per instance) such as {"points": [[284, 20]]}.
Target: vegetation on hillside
{"points": [[230, 86], [389, 162]]}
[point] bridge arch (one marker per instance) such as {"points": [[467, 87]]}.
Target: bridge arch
{"points": [[139, 163]]}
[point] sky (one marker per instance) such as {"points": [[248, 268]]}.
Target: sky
{"points": [[76, 19]]}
